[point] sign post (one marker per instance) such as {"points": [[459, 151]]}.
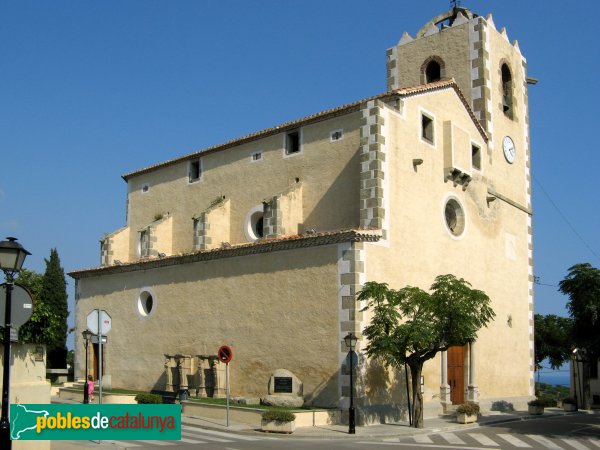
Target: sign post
{"points": [[225, 354], [99, 323]]}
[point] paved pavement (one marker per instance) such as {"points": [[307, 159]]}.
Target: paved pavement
{"points": [[335, 432]]}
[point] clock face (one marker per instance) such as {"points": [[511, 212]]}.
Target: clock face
{"points": [[509, 149]]}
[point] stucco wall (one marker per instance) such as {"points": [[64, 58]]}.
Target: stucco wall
{"points": [[327, 170], [28, 383], [492, 253], [277, 310]]}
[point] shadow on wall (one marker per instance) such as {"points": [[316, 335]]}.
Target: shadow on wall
{"points": [[384, 399]]}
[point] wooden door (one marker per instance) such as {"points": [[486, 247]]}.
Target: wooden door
{"points": [[95, 366], [456, 374]]}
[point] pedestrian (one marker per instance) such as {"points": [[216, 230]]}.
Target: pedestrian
{"points": [[90, 387]]}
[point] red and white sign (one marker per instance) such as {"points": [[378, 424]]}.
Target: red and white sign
{"points": [[225, 354]]}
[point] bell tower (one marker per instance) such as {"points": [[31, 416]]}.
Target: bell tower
{"points": [[489, 70]]}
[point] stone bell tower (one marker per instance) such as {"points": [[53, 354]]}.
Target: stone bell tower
{"points": [[490, 71]]}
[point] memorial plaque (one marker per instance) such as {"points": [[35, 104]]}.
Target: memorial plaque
{"points": [[283, 385]]}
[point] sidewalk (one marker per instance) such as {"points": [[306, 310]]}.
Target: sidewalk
{"points": [[380, 431], [431, 425]]}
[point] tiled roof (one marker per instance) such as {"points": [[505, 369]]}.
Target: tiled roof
{"points": [[263, 246], [323, 115]]}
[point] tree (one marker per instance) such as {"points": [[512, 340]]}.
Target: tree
{"points": [[38, 329], [582, 285], [553, 340], [411, 326], [54, 296]]}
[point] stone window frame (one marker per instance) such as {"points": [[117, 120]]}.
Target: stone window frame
{"points": [[287, 143], [254, 154], [191, 169], [451, 197], [426, 114], [509, 92], [140, 302], [256, 213], [475, 145], [145, 188], [425, 65], [332, 133], [141, 253]]}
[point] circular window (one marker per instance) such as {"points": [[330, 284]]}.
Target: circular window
{"points": [[254, 224], [146, 303], [455, 217]]}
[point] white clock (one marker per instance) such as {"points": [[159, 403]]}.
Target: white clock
{"points": [[509, 149]]}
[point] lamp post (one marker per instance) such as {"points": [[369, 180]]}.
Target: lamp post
{"points": [[350, 341], [12, 256], [86, 336], [575, 378]]}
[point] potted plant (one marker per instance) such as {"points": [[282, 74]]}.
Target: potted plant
{"points": [[569, 405], [536, 407], [467, 413], [278, 421], [146, 399]]}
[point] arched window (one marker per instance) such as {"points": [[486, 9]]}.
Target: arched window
{"points": [[433, 69], [433, 72], [507, 102]]}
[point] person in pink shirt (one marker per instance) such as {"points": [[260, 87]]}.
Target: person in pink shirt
{"points": [[90, 387]]}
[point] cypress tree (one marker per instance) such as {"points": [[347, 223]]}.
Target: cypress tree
{"points": [[54, 295]]}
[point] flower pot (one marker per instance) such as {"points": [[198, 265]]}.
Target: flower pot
{"points": [[569, 407], [535, 410], [278, 427], [466, 418]]}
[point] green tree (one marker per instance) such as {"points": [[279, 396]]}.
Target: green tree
{"points": [[582, 286], [38, 329], [553, 340], [54, 295], [411, 326]]}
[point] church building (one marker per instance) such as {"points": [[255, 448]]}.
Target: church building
{"points": [[262, 243]]}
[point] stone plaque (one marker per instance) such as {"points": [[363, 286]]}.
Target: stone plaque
{"points": [[283, 385]]}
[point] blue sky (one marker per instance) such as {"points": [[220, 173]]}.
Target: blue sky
{"points": [[92, 90]]}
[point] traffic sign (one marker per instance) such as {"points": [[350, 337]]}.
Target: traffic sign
{"points": [[105, 321], [21, 305], [225, 354], [94, 339]]}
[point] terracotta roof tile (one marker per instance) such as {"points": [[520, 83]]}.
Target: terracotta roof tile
{"points": [[323, 115], [262, 246]]}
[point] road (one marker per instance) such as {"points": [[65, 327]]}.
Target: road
{"points": [[577, 431]]}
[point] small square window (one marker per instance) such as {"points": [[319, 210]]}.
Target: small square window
{"points": [[195, 170], [292, 142], [476, 157], [336, 135], [427, 131], [145, 188], [256, 156]]}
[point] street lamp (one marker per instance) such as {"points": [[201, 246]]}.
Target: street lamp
{"points": [[87, 334], [12, 256], [350, 341]]}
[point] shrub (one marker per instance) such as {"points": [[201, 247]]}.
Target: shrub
{"points": [[148, 398], [470, 409], [275, 415], [548, 400], [536, 402], [568, 401]]}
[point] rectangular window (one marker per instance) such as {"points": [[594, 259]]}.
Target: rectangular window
{"points": [[256, 156], [427, 128], [144, 244], [195, 170], [292, 142], [476, 157], [336, 135]]}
